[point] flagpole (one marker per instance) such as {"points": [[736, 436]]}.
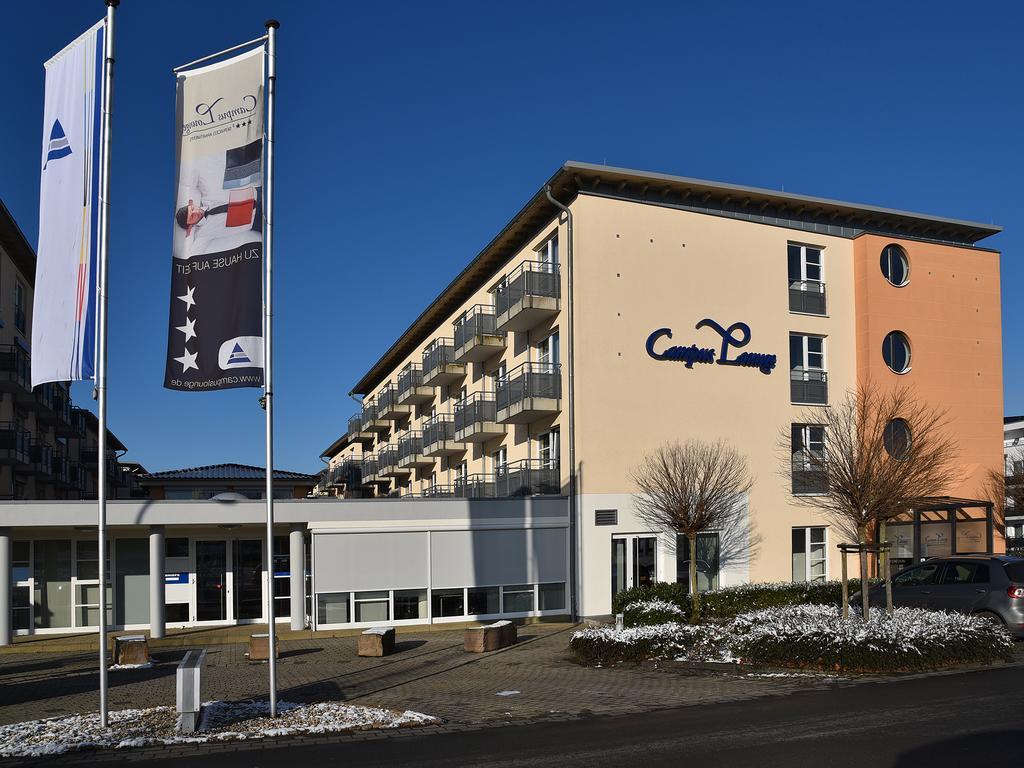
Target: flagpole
{"points": [[101, 346], [268, 368]]}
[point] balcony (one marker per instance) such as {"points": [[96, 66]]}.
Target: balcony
{"points": [[808, 475], [79, 476], [346, 474], [387, 459], [356, 433], [808, 386], [388, 407], [15, 445], [410, 452], [79, 422], [529, 392], [529, 477], [438, 492], [371, 472], [411, 389], [528, 296], [371, 420], [439, 436], [61, 467], [55, 408], [439, 366], [478, 486], [40, 459], [476, 335], [15, 369], [476, 419], [807, 297]]}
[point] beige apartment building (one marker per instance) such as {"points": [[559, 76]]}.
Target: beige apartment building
{"points": [[619, 310]]}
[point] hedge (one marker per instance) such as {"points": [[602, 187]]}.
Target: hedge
{"points": [[808, 636], [726, 603]]}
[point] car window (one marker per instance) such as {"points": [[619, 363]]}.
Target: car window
{"points": [[922, 574], [965, 573], [1015, 571]]}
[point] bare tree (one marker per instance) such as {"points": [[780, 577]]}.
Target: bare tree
{"points": [[884, 451], [692, 488]]}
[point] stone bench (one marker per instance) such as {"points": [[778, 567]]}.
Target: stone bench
{"points": [[500, 634], [131, 650], [189, 679], [378, 641], [259, 647]]}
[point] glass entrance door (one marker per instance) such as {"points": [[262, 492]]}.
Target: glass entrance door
{"points": [[247, 560], [211, 580], [634, 561]]}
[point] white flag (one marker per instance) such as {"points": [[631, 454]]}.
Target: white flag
{"points": [[64, 311]]}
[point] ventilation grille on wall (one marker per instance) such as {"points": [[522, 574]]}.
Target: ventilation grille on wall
{"points": [[606, 517]]}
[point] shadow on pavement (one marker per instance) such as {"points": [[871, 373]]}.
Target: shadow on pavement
{"points": [[997, 747]]}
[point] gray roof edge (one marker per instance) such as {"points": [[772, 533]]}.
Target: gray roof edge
{"points": [[571, 165]]}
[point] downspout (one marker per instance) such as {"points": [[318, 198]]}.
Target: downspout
{"points": [[570, 365]]}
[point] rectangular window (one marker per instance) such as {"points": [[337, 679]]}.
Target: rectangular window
{"points": [[707, 560], [484, 601], [552, 597], [547, 350], [447, 602], [547, 449], [175, 547], [548, 252], [499, 460], [810, 554], [371, 606], [808, 381], [517, 599], [410, 604], [805, 264], [19, 306], [807, 443], [332, 608]]}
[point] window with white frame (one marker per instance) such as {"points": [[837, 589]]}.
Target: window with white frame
{"points": [[547, 350], [810, 554], [547, 253], [808, 444], [806, 352], [499, 461], [806, 264], [499, 375], [547, 449]]}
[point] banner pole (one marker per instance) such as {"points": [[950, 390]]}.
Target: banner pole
{"points": [[101, 348], [268, 368]]}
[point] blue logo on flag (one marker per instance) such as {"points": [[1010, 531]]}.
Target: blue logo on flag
{"points": [[59, 146], [238, 356]]}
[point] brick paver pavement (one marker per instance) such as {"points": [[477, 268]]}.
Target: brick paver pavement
{"points": [[430, 673]]}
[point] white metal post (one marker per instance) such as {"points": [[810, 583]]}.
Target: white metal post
{"points": [[101, 345], [268, 367]]}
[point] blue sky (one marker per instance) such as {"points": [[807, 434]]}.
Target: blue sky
{"points": [[409, 133]]}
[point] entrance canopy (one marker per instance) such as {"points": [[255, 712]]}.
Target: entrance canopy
{"points": [[941, 526]]}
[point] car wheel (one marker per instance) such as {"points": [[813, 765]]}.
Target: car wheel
{"points": [[991, 618]]}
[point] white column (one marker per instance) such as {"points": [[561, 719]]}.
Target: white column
{"points": [[5, 586], [297, 577], [157, 601]]}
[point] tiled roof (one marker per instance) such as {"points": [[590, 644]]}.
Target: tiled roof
{"points": [[225, 472]]}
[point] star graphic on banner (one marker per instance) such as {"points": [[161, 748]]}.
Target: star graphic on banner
{"points": [[189, 297], [188, 360], [189, 328]]}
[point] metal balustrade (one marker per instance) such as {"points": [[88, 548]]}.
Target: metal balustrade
{"points": [[529, 392], [476, 418], [410, 451], [15, 369], [15, 445], [808, 475], [40, 458], [808, 386], [411, 389], [477, 337], [807, 297], [388, 406], [528, 296], [371, 420], [439, 436], [439, 366]]}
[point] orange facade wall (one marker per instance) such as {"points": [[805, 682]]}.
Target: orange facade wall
{"points": [[950, 311]]}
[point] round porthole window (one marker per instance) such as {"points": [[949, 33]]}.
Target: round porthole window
{"points": [[896, 352], [897, 439], [895, 266]]}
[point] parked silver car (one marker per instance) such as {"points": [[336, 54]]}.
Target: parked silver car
{"points": [[991, 586]]}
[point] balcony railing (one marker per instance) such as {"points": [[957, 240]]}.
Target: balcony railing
{"points": [[439, 436], [808, 474], [79, 475], [41, 458], [387, 457], [521, 478], [371, 471], [808, 386], [15, 369], [356, 433], [807, 297], [528, 296], [411, 389], [477, 486], [15, 445], [529, 392], [438, 492], [388, 406], [55, 402], [477, 337], [476, 418], [61, 468], [79, 420], [371, 420], [439, 366], [410, 451]]}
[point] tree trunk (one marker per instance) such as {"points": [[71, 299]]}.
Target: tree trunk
{"points": [[694, 592], [884, 557], [862, 536]]}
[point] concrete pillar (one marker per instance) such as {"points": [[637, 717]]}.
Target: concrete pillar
{"points": [[297, 577], [157, 601], [5, 586]]}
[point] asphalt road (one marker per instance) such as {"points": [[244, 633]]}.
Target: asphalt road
{"points": [[960, 719]]}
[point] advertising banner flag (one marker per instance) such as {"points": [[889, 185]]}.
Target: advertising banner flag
{"points": [[64, 307], [215, 334]]}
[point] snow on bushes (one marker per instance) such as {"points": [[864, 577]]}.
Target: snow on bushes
{"points": [[807, 636], [643, 613]]}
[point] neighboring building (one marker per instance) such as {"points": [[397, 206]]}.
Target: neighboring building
{"points": [[48, 446], [670, 274], [1013, 451], [217, 479]]}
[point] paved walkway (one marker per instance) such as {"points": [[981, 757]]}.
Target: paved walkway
{"points": [[430, 673]]}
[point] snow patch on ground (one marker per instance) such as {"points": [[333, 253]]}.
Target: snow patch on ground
{"points": [[115, 667], [221, 721]]}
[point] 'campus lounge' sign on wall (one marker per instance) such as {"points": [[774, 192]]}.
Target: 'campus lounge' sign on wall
{"points": [[735, 336]]}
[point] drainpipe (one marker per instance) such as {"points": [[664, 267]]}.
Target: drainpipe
{"points": [[573, 503]]}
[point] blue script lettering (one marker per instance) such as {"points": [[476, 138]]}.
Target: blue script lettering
{"points": [[688, 355], [764, 363]]}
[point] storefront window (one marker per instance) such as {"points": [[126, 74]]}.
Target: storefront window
{"points": [[372, 606], [552, 597], [518, 598], [52, 583], [447, 602], [484, 601], [332, 608], [410, 604], [707, 561]]}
